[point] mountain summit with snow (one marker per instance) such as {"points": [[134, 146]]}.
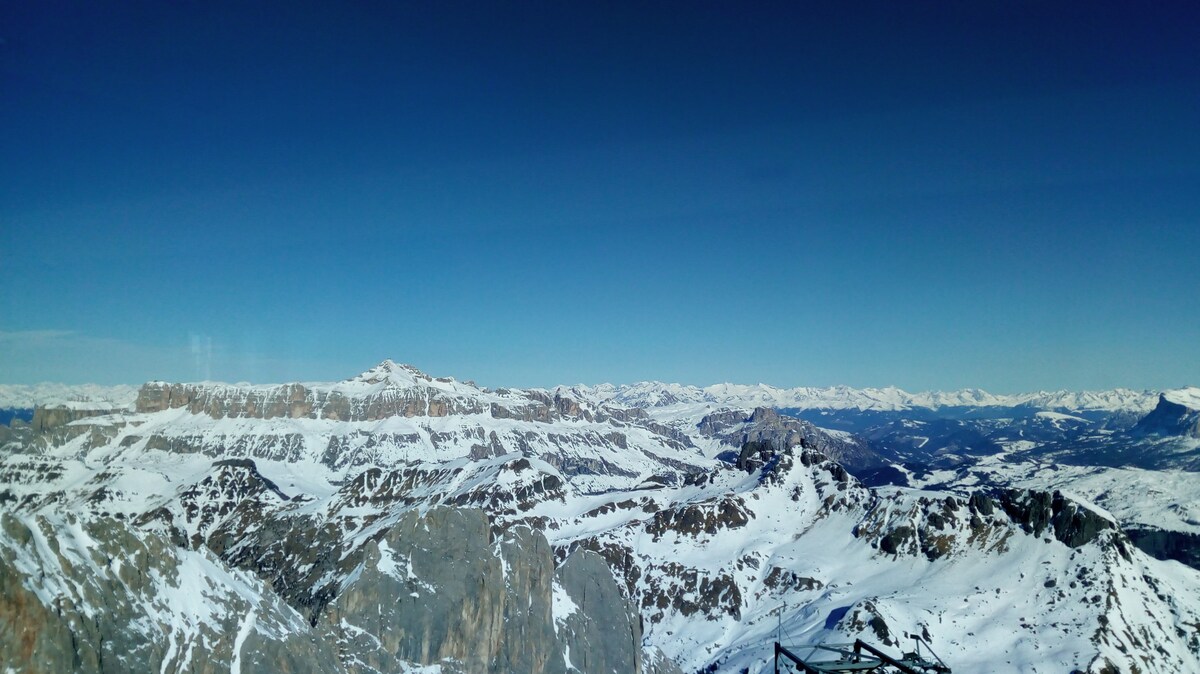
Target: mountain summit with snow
{"points": [[392, 375], [389, 370]]}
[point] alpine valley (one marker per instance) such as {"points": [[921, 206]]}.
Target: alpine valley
{"points": [[398, 522]]}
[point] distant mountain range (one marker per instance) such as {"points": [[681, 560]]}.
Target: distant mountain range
{"points": [[658, 394], [28, 396]]}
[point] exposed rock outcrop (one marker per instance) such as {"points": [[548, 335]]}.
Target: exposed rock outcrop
{"points": [[58, 423], [765, 430], [296, 401], [231, 485], [937, 527], [48, 418], [1164, 544], [1070, 522]]}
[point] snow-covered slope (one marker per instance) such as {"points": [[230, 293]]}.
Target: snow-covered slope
{"points": [[1136, 497], [717, 522], [1187, 397]]}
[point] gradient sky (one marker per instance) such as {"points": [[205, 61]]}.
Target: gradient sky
{"points": [[997, 195]]}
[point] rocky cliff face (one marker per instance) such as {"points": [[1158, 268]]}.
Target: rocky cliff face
{"points": [[446, 587], [101, 597], [16, 436], [600, 629], [61, 422], [296, 401], [54, 416], [441, 588], [436, 588], [1165, 544], [768, 431]]}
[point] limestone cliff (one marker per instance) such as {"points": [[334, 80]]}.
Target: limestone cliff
{"points": [[438, 588]]}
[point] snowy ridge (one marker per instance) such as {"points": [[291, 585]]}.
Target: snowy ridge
{"points": [[387, 376], [658, 394], [1188, 397], [84, 396], [1162, 499], [390, 375]]}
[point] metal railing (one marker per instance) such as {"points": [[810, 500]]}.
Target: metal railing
{"points": [[851, 658]]}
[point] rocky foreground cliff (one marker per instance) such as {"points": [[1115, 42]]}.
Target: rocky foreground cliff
{"points": [[101, 596]]}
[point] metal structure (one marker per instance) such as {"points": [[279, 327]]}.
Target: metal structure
{"points": [[859, 657]]}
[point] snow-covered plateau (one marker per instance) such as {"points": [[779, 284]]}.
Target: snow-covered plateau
{"points": [[398, 522]]}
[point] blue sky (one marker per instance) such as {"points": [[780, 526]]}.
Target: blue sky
{"points": [[1000, 195]]}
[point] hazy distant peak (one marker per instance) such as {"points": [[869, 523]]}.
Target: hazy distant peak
{"points": [[1188, 396]]}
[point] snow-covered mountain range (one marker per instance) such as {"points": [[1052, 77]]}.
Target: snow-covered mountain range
{"points": [[1135, 452], [28, 396], [397, 522], [658, 394]]}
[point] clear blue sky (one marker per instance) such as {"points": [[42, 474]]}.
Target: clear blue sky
{"points": [[1003, 195]]}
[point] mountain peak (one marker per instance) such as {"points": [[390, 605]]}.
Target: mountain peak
{"points": [[390, 372], [1187, 397], [1177, 413]]}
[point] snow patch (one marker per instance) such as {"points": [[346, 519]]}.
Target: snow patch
{"points": [[243, 632], [563, 606]]}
